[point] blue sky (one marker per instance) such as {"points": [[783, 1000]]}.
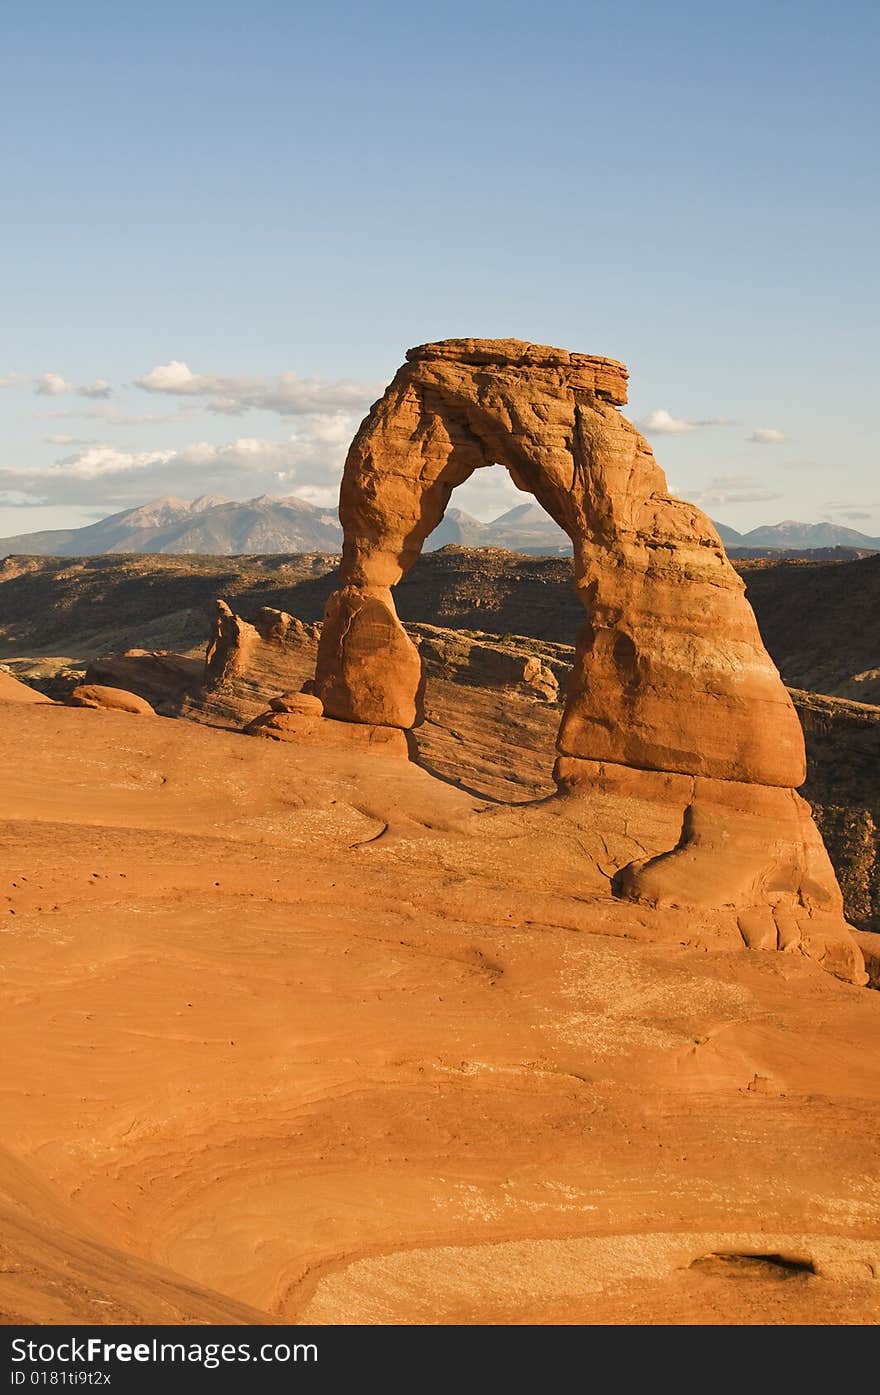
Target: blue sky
{"points": [[222, 226]]}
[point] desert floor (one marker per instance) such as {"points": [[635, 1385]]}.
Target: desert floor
{"points": [[300, 1035]]}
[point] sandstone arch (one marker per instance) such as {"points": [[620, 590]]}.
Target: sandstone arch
{"points": [[673, 701]]}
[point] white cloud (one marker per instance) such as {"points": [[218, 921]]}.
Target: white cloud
{"points": [[247, 454], [288, 395], [52, 385], [307, 463], [99, 388], [730, 489], [323, 496], [106, 460], [660, 422], [171, 377], [767, 436]]}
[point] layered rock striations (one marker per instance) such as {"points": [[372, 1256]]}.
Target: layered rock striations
{"points": [[245, 661]]}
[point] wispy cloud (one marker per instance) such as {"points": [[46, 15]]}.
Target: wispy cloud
{"points": [[288, 395], [18, 499], [62, 439], [767, 436], [56, 385], [99, 388], [111, 416], [855, 512], [660, 422], [731, 489]]}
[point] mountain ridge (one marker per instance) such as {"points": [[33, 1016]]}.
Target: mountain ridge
{"points": [[216, 526]]}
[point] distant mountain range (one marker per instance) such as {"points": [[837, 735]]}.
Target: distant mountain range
{"points": [[212, 525], [527, 528], [790, 535]]}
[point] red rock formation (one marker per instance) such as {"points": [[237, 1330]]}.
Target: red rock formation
{"points": [[94, 695], [670, 673], [244, 661], [309, 728]]}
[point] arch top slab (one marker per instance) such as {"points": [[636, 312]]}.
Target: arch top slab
{"points": [[605, 377]]}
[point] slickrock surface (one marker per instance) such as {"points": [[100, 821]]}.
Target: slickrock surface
{"points": [[58, 1267], [11, 690], [315, 1034]]}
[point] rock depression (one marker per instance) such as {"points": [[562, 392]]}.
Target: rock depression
{"points": [[677, 728]]}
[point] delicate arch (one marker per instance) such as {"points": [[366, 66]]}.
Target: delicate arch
{"points": [[670, 672], [678, 736]]}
